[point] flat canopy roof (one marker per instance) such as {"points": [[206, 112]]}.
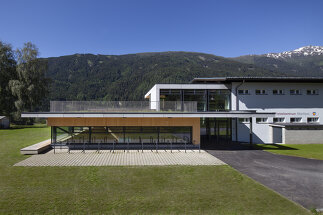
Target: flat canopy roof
{"points": [[228, 114], [257, 79]]}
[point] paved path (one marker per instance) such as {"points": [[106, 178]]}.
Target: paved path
{"points": [[299, 179], [121, 158]]}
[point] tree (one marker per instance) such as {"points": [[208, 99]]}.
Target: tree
{"points": [[7, 73], [31, 87]]}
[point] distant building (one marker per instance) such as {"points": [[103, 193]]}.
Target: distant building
{"points": [[4, 122]]}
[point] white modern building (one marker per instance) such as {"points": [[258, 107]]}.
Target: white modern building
{"points": [[296, 104], [204, 112]]}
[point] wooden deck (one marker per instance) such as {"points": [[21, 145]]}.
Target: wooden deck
{"points": [[36, 148]]}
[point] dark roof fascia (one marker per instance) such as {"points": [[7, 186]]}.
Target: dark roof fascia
{"points": [[258, 79]]}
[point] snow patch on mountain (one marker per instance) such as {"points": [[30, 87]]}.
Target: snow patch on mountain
{"points": [[303, 51]]}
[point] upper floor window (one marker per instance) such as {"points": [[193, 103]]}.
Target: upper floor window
{"points": [[279, 119], [312, 92], [278, 92], [243, 92], [244, 120], [261, 120], [295, 92], [312, 119], [261, 92], [295, 119]]}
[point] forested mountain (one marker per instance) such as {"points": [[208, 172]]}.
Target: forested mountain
{"points": [[304, 61], [129, 77]]}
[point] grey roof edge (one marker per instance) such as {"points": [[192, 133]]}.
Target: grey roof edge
{"points": [[210, 112], [283, 125], [259, 79], [232, 114]]}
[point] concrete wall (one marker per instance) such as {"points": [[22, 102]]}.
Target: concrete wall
{"points": [[194, 122], [303, 136]]}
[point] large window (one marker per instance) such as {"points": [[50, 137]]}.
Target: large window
{"points": [[171, 99], [219, 100], [196, 95], [121, 135], [202, 100]]}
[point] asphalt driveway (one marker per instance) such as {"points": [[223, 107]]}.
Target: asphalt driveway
{"points": [[298, 179]]}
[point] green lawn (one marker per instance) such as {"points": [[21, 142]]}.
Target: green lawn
{"points": [[127, 190], [300, 150]]}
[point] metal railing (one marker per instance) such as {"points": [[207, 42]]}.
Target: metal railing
{"points": [[122, 106]]}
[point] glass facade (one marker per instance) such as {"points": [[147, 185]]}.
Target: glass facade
{"points": [[200, 96], [206, 100], [121, 135], [219, 100], [215, 130]]}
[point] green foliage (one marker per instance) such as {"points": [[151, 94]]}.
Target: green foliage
{"points": [[7, 73], [129, 77], [30, 86]]}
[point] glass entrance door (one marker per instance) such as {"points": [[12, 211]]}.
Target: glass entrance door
{"points": [[215, 131]]}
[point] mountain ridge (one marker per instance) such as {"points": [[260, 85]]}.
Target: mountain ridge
{"points": [[130, 76], [304, 61]]}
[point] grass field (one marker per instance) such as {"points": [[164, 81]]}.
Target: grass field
{"points": [[126, 190], [314, 151]]}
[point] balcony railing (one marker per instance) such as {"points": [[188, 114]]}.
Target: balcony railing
{"points": [[122, 106]]}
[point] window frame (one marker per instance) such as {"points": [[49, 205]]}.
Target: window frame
{"points": [[261, 121], [244, 92], [244, 120], [279, 92], [312, 92], [318, 119], [294, 93], [301, 119], [283, 119], [261, 92]]}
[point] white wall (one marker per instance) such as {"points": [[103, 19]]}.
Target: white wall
{"points": [[286, 105]]}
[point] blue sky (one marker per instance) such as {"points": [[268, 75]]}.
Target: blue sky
{"points": [[222, 27]]}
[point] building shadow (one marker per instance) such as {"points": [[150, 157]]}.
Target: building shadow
{"points": [[272, 147], [236, 146]]}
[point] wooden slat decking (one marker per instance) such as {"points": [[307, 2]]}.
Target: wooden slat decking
{"points": [[36, 148]]}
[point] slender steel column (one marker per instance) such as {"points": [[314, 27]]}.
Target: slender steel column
{"points": [[237, 129], [90, 135], [251, 133]]}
